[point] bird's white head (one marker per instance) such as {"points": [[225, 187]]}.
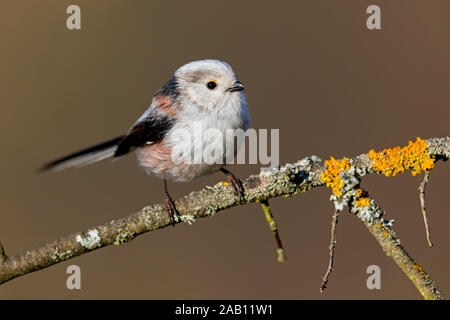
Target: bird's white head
{"points": [[208, 84]]}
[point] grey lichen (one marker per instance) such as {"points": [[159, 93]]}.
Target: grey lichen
{"points": [[124, 236], [91, 240], [61, 255], [439, 146], [187, 218], [371, 214], [152, 216], [351, 181]]}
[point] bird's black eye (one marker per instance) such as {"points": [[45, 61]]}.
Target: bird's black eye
{"points": [[211, 85]]}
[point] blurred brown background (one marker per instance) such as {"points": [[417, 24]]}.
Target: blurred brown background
{"points": [[311, 68]]}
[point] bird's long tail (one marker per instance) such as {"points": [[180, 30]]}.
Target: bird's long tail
{"points": [[84, 157]]}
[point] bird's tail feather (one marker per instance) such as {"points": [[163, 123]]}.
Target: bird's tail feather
{"points": [[84, 157]]}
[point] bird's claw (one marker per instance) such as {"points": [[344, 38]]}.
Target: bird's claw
{"points": [[236, 183], [171, 209]]}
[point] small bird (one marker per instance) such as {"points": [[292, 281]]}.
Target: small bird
{"points": [[206, 93]]}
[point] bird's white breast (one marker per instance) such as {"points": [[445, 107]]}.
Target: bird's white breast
{"points": [[194, 134]]}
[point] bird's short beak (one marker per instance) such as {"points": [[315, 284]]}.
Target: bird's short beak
{"points": [[236, 87]]}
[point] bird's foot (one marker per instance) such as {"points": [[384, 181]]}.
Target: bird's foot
{"points": [[235, 182], [171, 209]]}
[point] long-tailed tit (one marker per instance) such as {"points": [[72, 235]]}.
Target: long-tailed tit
{"points": [[205, 93]]}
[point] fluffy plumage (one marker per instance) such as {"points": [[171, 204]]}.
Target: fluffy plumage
{"points": [[184, 102]]}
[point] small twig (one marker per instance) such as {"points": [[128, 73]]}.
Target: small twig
{"points": [[274, 228], [332, 250], [422, 204]]}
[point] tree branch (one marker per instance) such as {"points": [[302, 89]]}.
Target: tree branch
{"points": [[274, 228], [422, 186], [334, 223], [287, 180], [387, 239]]}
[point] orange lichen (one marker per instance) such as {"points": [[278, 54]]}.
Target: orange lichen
{"points": [[390, 162], [396, 160], [361, 199], [331, 175], [362, 202], [420, 269], [358, 193]]}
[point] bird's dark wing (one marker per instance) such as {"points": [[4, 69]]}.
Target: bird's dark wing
{"points": [[151, 129], [155, 123]]}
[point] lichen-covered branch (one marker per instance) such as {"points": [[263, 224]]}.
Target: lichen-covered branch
{"points": [[383, 232], [287, 180]]}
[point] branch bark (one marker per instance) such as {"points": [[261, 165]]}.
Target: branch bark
{"points": [[422, 186], [284, 181]]}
